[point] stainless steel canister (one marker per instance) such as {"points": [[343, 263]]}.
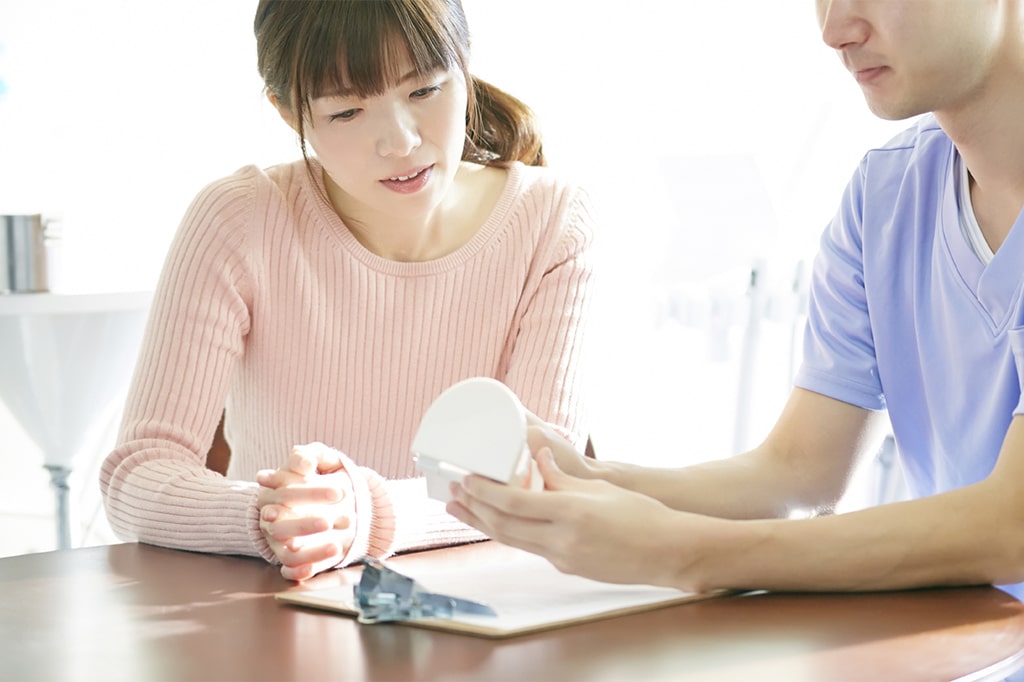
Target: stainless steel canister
{"points": [[22, 254]]}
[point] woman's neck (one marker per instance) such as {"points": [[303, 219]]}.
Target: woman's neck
{"points": [[469, 202]]}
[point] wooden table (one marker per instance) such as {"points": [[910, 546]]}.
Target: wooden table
{"points": [[135, 612]]}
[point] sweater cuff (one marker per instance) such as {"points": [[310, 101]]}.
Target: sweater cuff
{"points": [[259, 540], [382, 523], [364, 513]]}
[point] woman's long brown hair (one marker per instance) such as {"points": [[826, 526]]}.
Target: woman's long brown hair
{"points": [[308, 49]]}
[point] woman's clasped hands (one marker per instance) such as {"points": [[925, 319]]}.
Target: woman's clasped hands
{"points": [[307, 511]]}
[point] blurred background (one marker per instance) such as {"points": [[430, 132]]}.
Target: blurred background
{"points": [[714, 138]]}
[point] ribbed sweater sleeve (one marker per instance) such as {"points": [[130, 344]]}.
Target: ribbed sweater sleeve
{"points": [[155, 484], [269, 306]]}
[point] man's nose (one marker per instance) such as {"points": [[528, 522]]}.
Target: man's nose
{"points": [[841, 23]]}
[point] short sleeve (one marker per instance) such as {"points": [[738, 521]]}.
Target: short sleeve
{"points": [[839, 353]]}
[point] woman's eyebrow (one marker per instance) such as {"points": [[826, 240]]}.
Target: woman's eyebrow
{"points": [[343, 92]]}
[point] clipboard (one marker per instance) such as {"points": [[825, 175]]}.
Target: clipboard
{"points": [[527, 592]]}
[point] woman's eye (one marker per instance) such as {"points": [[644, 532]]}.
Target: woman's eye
{"points": [[426, 92], [344, 115]]}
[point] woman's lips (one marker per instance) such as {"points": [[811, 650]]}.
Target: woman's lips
{"points": [[410, 181]]}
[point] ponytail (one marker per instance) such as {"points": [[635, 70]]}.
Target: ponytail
{"points": [[500, 129]]}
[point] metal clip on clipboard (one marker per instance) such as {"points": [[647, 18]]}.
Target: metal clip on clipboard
{"points": [[384, 595]]}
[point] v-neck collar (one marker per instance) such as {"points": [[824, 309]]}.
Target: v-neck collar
{"points": [[995, 286]]}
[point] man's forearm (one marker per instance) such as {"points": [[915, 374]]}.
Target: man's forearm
{"points": [[707, 488]]}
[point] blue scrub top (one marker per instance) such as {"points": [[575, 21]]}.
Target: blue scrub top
{"points": [[904, 316]]}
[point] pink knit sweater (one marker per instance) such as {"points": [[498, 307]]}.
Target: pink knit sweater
{"points": [[269, 305]]}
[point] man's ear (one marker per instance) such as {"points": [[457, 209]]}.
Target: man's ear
{"points": [[284, 111]]}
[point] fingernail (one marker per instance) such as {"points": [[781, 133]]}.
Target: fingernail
{"points": [[269, 514]]}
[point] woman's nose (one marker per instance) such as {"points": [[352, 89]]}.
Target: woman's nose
{"points": [[398, 134]]}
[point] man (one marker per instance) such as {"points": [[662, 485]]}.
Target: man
{"points": [[917, 307]]}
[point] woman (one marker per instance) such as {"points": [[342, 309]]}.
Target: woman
{"points": [[328, 301]]}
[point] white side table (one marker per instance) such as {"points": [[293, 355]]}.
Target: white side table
{"points": [[65, 364]]}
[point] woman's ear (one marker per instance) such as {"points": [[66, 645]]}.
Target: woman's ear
{"points": [[284, 111]]}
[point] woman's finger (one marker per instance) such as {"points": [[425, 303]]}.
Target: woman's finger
{"points": [[314, 554], [298, 495], [316, 458], [278, 478], [301, 462], [285, 529]]}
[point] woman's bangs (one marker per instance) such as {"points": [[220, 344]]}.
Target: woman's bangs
{"points": [[372, 42]]}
